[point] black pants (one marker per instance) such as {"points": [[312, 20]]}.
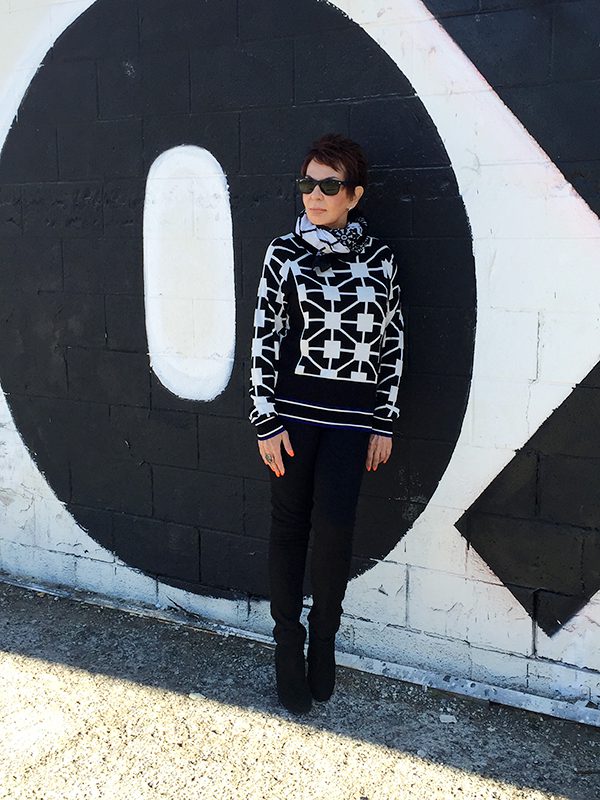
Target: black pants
{"points": [[320, 486]]}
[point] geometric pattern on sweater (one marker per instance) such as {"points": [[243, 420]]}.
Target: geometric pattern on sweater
{"points": [[353, 327], [344, 309]]}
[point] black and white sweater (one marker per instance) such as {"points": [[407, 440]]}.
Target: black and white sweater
{"points": [[328, 346]]}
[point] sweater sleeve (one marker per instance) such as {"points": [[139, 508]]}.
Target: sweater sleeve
{"points": [[391, 360], [270, 325]]}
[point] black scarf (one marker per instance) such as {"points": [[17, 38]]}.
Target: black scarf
{"points": [[330, 243]]}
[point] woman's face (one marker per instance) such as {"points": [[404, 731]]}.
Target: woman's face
{"points": [[330, 211]]}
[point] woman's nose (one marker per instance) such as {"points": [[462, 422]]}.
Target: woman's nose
{"points": [[317, 189]]}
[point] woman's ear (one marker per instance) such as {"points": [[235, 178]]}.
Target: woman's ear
{"points": [[358, 193]]}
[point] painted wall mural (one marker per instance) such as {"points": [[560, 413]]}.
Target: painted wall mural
{"points": [[104, 430], [478, 544], [537, 524]]}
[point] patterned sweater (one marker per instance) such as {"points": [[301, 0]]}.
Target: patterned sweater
{"points": [[328, 346]]}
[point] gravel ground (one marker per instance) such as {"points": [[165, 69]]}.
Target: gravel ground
{"points": [[99, 703]]}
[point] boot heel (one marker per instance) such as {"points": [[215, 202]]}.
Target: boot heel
{"points": [[321, 668], [290, 672]]}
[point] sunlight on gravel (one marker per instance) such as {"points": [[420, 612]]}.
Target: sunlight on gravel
{"points": [[80, 735]]}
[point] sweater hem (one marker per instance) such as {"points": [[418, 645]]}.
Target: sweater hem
{"points": [[335, 417], [337, 425]]}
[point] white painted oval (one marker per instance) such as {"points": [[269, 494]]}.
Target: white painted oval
{"points": [[189, 288]]}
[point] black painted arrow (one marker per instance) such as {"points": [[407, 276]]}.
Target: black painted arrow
{"points": [[538, 524]]}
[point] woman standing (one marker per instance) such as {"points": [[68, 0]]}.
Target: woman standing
{"points": [[327, 358]]}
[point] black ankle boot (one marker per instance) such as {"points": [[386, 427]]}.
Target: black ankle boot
{"points": [[321, 667], [292, 688]]}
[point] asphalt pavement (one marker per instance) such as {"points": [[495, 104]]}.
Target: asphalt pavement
{"points": [[97, 702]]}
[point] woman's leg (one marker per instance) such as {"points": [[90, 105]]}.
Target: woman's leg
{"points": [[339, 470], [291, 507]]}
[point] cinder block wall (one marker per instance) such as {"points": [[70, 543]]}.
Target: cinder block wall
{"points": [[477, 549]]}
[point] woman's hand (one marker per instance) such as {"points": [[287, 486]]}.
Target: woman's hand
{"points": [[270, 451], [380, 449]]}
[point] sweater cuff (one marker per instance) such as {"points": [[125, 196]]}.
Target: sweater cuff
{"points": [[383, 426], [266, 428]]}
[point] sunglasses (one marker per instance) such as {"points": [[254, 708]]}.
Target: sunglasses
{"points": [[329, 186]]}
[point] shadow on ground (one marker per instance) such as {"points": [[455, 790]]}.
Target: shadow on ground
{"points": [[522, 749]]}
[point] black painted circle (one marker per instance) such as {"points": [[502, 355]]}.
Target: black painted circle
{"points": [[175, 487]]}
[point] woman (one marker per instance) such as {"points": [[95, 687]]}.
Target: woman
{"points": [[327, 358]]}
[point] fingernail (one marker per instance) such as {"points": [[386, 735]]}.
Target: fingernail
{"points": [[292, 453]]}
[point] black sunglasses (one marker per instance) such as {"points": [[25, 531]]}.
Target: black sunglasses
{"points": [[329, 186]]}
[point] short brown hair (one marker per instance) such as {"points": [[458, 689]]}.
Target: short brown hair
{"points": [[338, 152]]}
